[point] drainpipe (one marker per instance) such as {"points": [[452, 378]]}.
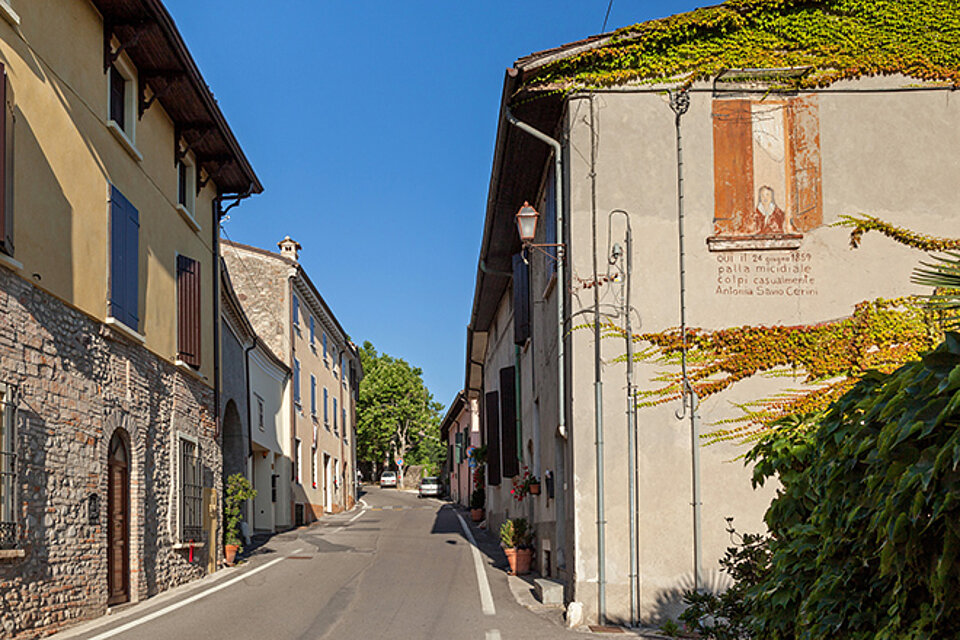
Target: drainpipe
{"points": [[561, 269], [680, 102]]}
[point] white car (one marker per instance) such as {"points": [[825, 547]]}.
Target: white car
{"points": [[430, 486], [388, 479]]}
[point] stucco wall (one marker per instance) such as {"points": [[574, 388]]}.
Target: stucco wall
{"points": [[887, 154], [66, 160]]}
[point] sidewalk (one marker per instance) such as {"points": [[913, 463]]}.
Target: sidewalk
{"points": [[523, 590]]}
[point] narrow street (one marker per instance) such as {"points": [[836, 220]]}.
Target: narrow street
{"points": [[395, 567]]}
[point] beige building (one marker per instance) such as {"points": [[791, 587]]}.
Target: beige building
{"points": [[766, 173], [116, 161], [292, 317]]}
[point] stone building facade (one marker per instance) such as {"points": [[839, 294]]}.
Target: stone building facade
{"points": [[111, 189], [80, 384]]}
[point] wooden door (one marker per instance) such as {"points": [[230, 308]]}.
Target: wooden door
{"points": [[118, 523]]}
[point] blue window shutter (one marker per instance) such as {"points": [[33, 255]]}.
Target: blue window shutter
{"points": [[124, 260], [296, 381]]}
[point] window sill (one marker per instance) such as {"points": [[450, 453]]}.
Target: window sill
{"points": [[8, 14], [187, 369], [12, 554], [188, 217], [755, 243], [113, 323], [125, 141], [187, 545], [10, 263]]}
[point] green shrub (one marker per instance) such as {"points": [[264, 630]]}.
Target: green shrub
{"points": [[478, 498], [515, 533], [238, 491]]}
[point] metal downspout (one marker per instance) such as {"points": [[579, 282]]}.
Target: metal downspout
{"points": [[680, 102], [561, 270]]}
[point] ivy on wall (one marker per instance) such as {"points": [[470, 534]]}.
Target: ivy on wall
{"points": [[825, 359], [835, 39]]}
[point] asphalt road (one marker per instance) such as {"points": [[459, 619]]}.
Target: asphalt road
{"points": [[398, 567]]}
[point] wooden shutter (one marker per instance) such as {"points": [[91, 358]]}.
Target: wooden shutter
{"points": [[732, 166], [492, 419], [803, 164], [6, 165], [508, 422], [521, 300], [188, 310], [124, 260]]}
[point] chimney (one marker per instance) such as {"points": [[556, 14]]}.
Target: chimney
{"points": [[290, 248]]}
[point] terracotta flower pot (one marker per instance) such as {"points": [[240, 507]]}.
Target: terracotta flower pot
{"points": [[535, 489], [519, 560], [230, 551], [476, 515]]}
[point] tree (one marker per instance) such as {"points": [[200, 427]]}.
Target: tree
{"points": [[396, 413]]}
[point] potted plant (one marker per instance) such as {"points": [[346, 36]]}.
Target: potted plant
{"points": [[516, 538], [525, 484], [238, 491], [477, 501]]}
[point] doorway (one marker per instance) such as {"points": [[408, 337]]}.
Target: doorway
{"points": [[118, 521], [327, 485]]}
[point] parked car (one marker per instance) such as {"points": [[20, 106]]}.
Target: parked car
{"points": [[388, 479], [430, 486]]}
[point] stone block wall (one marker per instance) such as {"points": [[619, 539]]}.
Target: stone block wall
{"points": [[79, 382]]}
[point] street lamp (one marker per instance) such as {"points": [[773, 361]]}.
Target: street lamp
{"points": [[527, 222], [527, 218]]}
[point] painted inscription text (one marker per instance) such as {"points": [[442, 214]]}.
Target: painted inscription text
{"points": [[765, 274]]}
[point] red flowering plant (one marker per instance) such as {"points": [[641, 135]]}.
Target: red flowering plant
{"points": [[522, 483]]}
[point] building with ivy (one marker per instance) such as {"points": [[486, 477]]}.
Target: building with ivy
{"points": [[727, 143]]}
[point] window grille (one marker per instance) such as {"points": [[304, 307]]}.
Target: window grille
{"points": [[9, 529], [191, 491]]}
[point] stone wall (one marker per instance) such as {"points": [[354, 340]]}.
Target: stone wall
{"points": [[79, 382]]}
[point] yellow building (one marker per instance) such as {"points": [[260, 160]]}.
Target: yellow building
{"points": [[116, 164]]}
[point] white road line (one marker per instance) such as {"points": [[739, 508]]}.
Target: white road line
{"points": [[493, 634], [190, 600], [486, 597], [355, 517]]}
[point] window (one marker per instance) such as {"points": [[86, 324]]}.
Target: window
{"points": [[8, 469], [766, 157], [187, 187], [259, 412], [191, 491], [343, 371], [313, 465], [296, 382], [188, 311], [312, 335], [326, 414], [313, 395], [122, 107], [6, 165], [296, 312], [124, 260], [334, 415], [297, 460], [343, 415], [325, 361]]}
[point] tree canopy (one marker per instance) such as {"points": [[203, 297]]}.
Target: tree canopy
{"points": [[396, 413]]}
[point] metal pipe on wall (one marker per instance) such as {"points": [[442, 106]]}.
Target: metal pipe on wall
{"points": [[679, 103], [632, 490]]}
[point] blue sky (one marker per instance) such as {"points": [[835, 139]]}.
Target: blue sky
{"points": [[371, 125]]}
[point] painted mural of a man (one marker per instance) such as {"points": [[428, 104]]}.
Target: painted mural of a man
{"points": [[768, 218]]}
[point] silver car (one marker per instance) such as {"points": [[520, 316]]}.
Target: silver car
{"points": [[388, 479], [430, 486]]}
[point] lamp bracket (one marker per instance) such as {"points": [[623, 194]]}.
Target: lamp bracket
{"points": [[542, 248]]}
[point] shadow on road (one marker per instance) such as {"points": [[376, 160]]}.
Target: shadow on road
{"points": [[447, 522]]}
